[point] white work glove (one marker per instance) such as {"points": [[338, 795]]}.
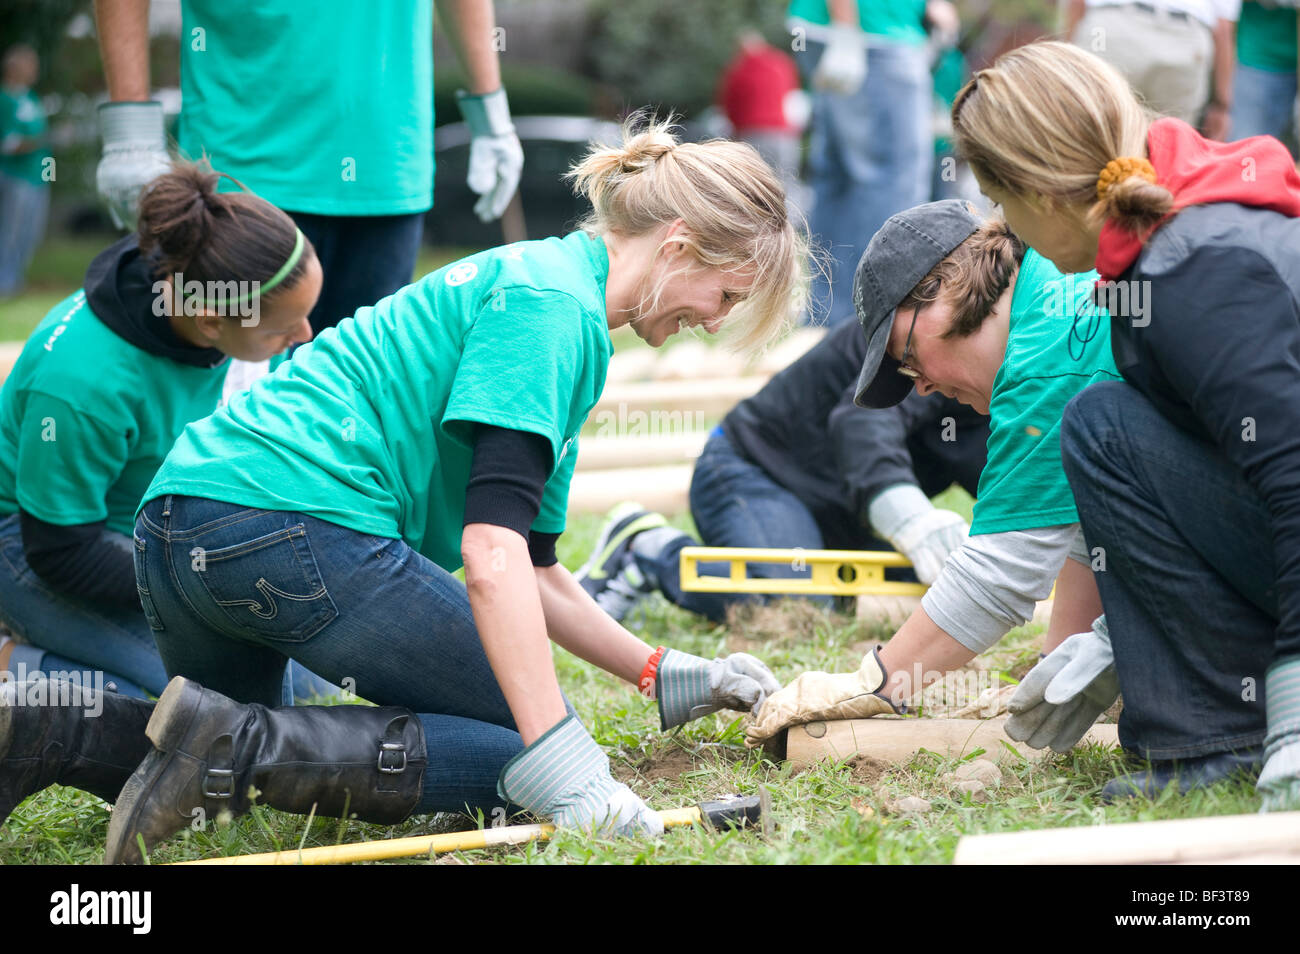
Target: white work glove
{"points": [[823, 696], [565, 776], [496, 158], [842, 67], [135, 152], [688, 687], [917, 529], [1061, 697]]}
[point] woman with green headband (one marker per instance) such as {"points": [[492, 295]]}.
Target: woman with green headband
{"points": [[103, 388]]}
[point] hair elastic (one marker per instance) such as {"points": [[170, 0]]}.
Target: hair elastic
{"points": [[1117, 170]]}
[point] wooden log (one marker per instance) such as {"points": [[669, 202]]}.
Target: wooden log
{"points": [[698, 399], [9, 352], [1226, 839], [610, 453], [891, 610], [655, 488], [897, 740]]}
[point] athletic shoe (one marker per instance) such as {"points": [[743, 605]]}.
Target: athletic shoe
{"points": [[611, 575], [1192, 773]]}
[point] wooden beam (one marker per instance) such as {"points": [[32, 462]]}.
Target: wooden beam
{"points": [[1226, 839], [705, 398], [665, 489], [897, 740], [611, 453]]}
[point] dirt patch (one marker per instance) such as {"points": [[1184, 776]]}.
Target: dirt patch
{"points": [[670, 763], [867, 771], [785, 621]]}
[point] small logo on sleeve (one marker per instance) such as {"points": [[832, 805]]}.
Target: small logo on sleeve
{"points": [[460, 273]]}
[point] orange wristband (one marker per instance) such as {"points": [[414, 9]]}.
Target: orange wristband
{"points": [[646, 686]]}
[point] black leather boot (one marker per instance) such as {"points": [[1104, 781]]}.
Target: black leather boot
{"points": [[54, 731], [210, 753]]}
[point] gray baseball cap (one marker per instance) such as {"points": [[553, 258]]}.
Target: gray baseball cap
{"points": [[907, 246]]}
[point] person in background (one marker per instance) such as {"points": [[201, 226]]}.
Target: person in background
{"points": [[761, 98], [325, 109], [102, 389], [1179, 55], [1268, 51], [800, 465], [24, 175], [872, 147]]}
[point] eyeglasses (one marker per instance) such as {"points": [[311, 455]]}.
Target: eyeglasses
{"points": [[903, 368]]}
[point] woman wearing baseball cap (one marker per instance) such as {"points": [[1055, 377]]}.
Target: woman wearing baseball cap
{"points": [[1187, 472], [952, 303]]}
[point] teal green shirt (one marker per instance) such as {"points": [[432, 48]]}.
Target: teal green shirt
{"points": [[79, 447], [322, 107], [371, 425], [1058, 344], [21, 114], [900, 20], [1266, 38]]}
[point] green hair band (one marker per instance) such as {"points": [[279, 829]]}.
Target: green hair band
{"points": [[274, 280]]}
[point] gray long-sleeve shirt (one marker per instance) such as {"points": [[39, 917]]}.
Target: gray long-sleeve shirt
{"points": [[991, 584]]}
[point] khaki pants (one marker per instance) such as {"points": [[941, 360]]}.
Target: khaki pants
{"points": [[1166, 59]]}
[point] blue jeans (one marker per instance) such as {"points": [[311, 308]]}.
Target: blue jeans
{"points": [[1189, 580], [364, 258], [70, 634], [1263, 104], [870, 155], [232, 593], [24, 210]]}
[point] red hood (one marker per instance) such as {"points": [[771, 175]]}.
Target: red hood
{"points": [[1257, 172]]}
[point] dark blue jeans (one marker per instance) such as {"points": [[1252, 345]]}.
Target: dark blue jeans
{"points": [[364, 259], [233, 592], [1189, 581], [65, 633]]}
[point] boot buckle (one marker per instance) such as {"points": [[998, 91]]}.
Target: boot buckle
{"points": [[391, 750], [219, 778]]}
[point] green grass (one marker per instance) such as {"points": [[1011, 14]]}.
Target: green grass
{"points": [[834, 813]]}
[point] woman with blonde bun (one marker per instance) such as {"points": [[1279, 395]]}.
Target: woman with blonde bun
{"points": [[320, 517], [1186, 472]]}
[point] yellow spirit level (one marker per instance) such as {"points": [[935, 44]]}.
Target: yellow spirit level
{"points": [[830, 572]]}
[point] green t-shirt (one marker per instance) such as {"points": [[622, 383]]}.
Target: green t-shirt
{"points": [[1266, 38], [900, 20], [370, 426], [86, 419], [1058, 344], [21, 114], [322, 107]]}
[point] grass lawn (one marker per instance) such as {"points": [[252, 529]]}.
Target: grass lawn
{"points": [[835, 813]]}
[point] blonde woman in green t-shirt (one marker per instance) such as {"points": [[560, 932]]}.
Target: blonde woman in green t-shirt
{"points": [[320, 517]]}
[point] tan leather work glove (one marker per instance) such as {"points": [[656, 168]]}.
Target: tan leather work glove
{"points": [[823, 696]]}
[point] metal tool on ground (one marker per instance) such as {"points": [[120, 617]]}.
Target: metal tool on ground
{"points": [[830, 572], [729, 811]]}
